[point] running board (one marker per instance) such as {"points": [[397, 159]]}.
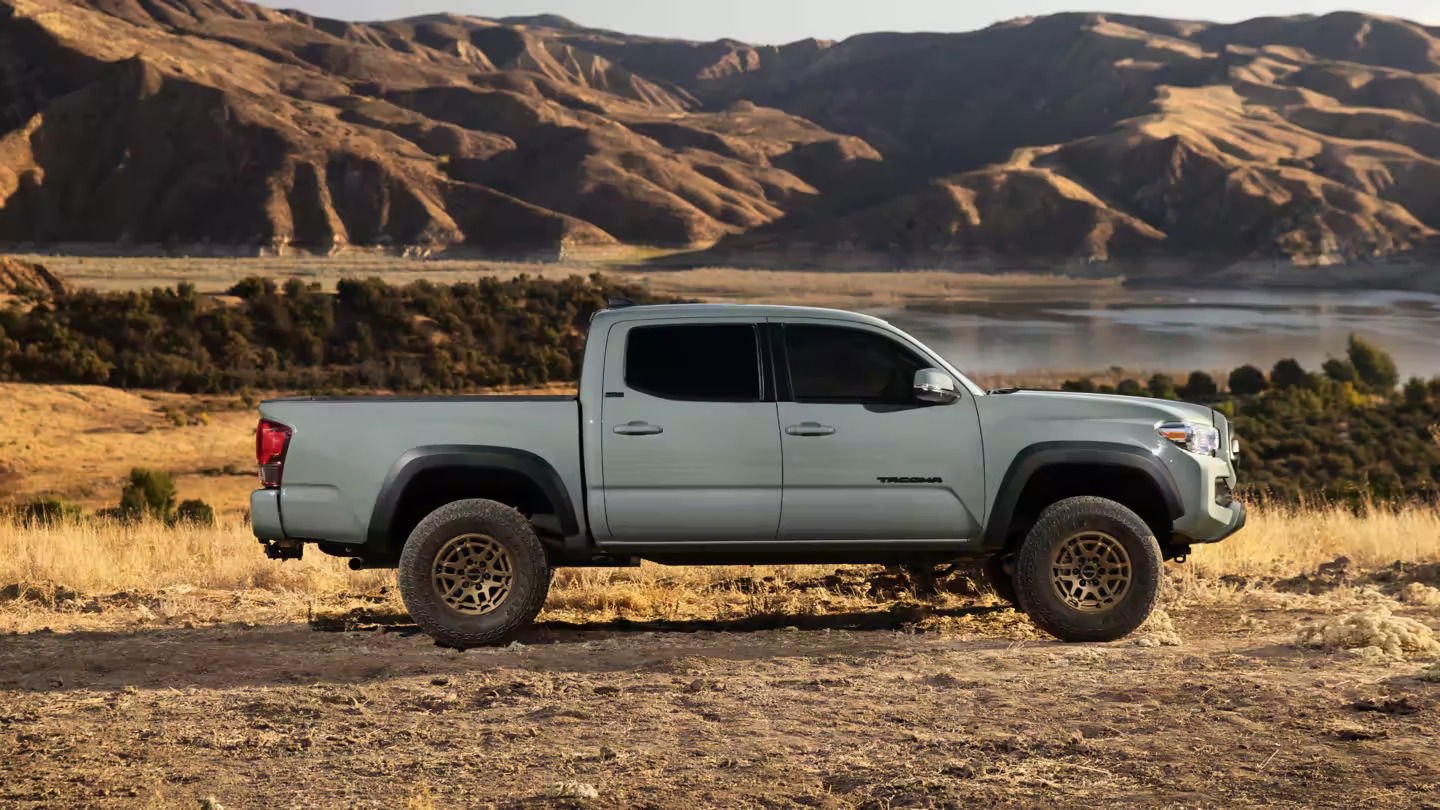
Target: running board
{"points": [[643, 547]]}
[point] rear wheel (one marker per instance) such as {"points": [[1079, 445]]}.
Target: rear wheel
{"points": [[473, 573], [1089, 570]]}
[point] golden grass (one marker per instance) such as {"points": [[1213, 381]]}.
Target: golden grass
{"points": [[102, 557], [1281, 541]]}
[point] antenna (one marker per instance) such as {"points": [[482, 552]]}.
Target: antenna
{"points": [[619, 303]]}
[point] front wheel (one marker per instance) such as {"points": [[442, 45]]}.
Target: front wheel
{"points": [[473, 573], [1089, 570]]}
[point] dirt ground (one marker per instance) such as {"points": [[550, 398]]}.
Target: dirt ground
{"points": [[127, 701]]}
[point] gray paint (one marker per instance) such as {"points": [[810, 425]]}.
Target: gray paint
{"points": [[731, 471]]}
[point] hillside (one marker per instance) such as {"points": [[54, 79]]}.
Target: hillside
{"points": [[221, 125]]}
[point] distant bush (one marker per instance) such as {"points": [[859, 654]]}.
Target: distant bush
{"points": [[1288, 374], [149, 494], [1162, 386], [195, 512], [1247, 380], [47, 512], [1373, 367], [1200, 386], [1339, 370]]}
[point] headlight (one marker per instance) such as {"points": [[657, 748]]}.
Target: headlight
{"points": [[1200, 439]]}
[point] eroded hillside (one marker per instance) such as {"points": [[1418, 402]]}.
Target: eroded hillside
{"points": [[1068, 137]]}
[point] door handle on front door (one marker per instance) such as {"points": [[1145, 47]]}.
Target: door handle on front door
{"points": [[810, 429], [638, 429]]}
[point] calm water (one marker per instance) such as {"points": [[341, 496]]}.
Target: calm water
{"points": [[1179, 329]]}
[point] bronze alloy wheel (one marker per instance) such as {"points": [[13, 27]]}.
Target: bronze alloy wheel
{"points": [[1091, 571], [473, 574]]}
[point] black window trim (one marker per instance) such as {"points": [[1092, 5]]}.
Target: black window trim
{"points": [[766, 394], [782, 359]]}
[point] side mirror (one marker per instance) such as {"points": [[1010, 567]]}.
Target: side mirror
{"points": [[934, 385]]}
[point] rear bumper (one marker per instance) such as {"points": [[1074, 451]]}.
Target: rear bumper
{"points": [[265, 514]]}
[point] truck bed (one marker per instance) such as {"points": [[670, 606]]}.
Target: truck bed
{"points": [[344, 449]]}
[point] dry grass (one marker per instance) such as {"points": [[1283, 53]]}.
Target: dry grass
{"points": [[1285, 542], [103, 558]]}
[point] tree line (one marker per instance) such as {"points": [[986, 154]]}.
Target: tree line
{"points": [[419, 337], [1350, 432]]}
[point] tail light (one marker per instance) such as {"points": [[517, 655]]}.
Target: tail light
{"points": [[271, 439]]}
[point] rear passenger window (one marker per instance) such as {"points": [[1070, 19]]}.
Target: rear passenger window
{"points": [[717, 362], [838, 364]]}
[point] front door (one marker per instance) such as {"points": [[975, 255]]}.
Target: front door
{"points": [[691, 447], [863, 459]]}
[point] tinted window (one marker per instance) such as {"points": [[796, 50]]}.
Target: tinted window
{"points": [[708, 362], [835, 364]]}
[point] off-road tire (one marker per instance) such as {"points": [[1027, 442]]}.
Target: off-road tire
{"points": [[1057, 525], [1002, 583], [528, 587]]}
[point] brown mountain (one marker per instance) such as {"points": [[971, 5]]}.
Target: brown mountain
{"points": [[1068, 137]]}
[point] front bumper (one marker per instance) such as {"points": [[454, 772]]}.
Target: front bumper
{"points": [[1213, 515], [265, 514], [1237, 522]]}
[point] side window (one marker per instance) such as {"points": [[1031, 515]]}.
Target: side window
{"points": [[718, 362], [838, 364]]}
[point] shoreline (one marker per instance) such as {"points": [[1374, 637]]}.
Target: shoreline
{"points": [[779, 283]]}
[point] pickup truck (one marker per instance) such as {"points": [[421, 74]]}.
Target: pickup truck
{"points": [[732, 434]]}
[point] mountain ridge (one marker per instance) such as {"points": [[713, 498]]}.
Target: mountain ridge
{"points": [[1077, 137]]}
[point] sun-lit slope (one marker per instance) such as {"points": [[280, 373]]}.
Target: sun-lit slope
{"points": [[1188, 144], [1076, 136], [79, 443], [230, 123]]}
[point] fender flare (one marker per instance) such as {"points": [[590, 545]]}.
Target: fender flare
{"points": [[1039, 456], [469, 457]]}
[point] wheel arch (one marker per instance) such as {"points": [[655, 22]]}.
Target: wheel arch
{"points": [[1048, 471], [425, 478]]}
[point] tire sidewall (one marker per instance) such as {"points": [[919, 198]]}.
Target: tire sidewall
{"points": [[1063, 520], [531, 573]]}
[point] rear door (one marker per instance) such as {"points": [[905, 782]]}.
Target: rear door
{"points": [[863, 458], [690, 440]]}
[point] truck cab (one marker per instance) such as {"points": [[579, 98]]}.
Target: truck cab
{"points": [[705, 434]]}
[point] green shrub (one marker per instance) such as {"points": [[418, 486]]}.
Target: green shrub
{"points": [[1372, 366], [149, 494], [47, 512], [1130, 388], [195, 512], [1417, 392], [1247, 381], [1288, 374], [1339, 370], [1162, 386], [1200, 386]]}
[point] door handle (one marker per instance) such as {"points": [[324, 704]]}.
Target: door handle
{"points": [[810, 429], [638, 429]]}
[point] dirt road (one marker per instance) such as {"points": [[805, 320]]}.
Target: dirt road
{"points": [[283, 714]]}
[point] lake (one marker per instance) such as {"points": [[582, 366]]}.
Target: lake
{"points": [[1146, 329]]}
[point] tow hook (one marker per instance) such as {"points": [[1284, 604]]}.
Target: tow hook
{"points": [[284, 549]]}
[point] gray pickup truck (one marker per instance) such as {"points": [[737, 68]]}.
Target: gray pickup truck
{"points": [[724, 434]]}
